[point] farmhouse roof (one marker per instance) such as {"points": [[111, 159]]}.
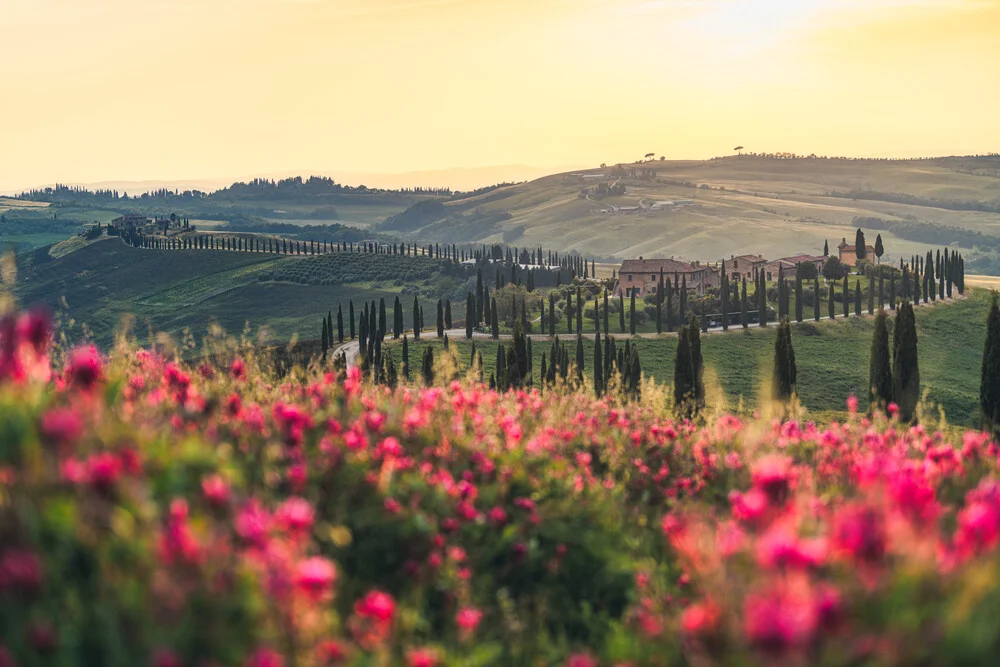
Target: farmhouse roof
{"points": [[654, 265]]}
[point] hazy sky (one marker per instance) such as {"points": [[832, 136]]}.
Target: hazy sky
{"points": [[156, 89]]}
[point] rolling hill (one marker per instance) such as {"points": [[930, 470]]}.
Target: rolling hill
{"points": [[734, 205]]}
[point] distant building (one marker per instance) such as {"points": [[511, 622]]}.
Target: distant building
{"points": [[130, 221], [739, 267], [642, 276], [849, 253], [788, 265]]}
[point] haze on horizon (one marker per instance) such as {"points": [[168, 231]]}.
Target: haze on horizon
{"points": [[98, 90]]}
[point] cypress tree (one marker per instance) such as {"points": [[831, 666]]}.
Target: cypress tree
{"points": [[892, 292], [846, 298], [397, 319], [382, 324], [782, 294], [860, 247], [761, 300], [881, 288], [670, 305], [390, 370], [597, 316], [683, 299], [871, 295], [440, 319], [684, 399], [857, 297], [798, 296], [416, 319], [579, 309], [569, 311], [352, 318], [724, 288], [697, 364], [552, 314], [744, 315], [340, 324], [989, 383], [816, 297], [598, 365], [631, 324], [830, 306], [605, 313], [905, 365], [325, 343], [659, 305], [470, 313], [447, 314], [501, 375], [880, 366], [493, 319], [427, 367], [579, 356], [621, 313], [785, 372]]}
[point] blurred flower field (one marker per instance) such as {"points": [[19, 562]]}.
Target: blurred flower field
{"points": [[170, 514]]}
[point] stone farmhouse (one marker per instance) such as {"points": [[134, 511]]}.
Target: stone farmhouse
{"points": [[642, 276], [849, 253], [739, 267]]}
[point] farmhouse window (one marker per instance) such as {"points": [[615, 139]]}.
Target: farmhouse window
{"points": [[630, 277]]}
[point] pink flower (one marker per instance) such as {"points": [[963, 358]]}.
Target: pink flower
{"points": [[581, 660], [852, 404], [468, 620], [84, 367], [252, 524], [215, 490], [265, 657], [377, 605], [315, 577], [20, 570], [165, 657], [773, 476], [859, 530], [296, 516], [331, 652], [238, 370], [780, 619], [498, 516], [62, 426], [103, 471], [422, 657], [700, 619]]}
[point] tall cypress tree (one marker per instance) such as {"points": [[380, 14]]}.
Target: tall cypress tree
{"points": [[761, 299], [830, 305], [325, 341], [785, 372], [579, 356], [493, 319], [857, 297], [605, 313], [470, 314], [659, 304], [846, 298], [905, 365], [447, 314], [683, 298], [621, 313], [352, 318], [340, 324], [798, 296], [427, 366], [598, 365], [579, 309], [440, 319], [989, 383], [397, 318], [744, 315], [416, 319], [631, 324], [382, 323], [569, 311], [597, 315], [724, 288], [670, 305], [880, 366], [684, 398], [816, 297], [552, 314]]}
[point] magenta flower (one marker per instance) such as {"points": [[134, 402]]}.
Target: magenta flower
{"points": [[315, 577]]}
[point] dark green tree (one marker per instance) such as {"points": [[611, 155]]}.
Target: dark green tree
{"points": [[605, 313], [631, 315], [427, 366], [440, 318], [989, 383], [798, 297], [860, 247], [598, 365], [879, 248], [857, 297], [470, 314], [340, 324], [684, 394], [905, 365], [447, 314], [831, 310], [416, 319], [406, 359], [580, 368], [816, 297], [785, 372], [352, 318], [621, 313], [880, 365], [579, 309]]}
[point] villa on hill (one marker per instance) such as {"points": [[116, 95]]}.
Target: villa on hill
{"points": [[739, 267], [849, 253], [641, 276], [788, 265]]}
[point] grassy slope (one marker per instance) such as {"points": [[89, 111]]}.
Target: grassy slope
{"points": [[101, 283], [832, 358], [777, 207]]}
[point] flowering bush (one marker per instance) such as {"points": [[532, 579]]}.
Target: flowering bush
{"points": [[154, 512]]}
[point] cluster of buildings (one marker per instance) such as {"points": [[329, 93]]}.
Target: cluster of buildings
{"points": [[133, 222], [642, 276]]}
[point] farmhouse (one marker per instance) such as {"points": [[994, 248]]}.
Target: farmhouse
{"points": [[130, 221], [641, 276], [739, 267], [787, 265], [849, 253]]}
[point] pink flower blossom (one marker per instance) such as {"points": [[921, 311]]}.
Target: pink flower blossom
{"points": [[315, 577]]}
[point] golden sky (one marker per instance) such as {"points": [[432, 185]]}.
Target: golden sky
{"points": [[172, 89]]}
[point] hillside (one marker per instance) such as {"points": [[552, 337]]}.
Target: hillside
{"points": [[96, 287], [735, 205]]}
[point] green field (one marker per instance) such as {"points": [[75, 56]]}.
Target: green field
{"points": [[832, 358], [94, 288]]}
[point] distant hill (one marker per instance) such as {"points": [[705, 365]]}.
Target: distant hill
{"points": [[711, 209]]}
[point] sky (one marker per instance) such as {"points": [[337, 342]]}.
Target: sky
{"points": [[94, 90]]}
